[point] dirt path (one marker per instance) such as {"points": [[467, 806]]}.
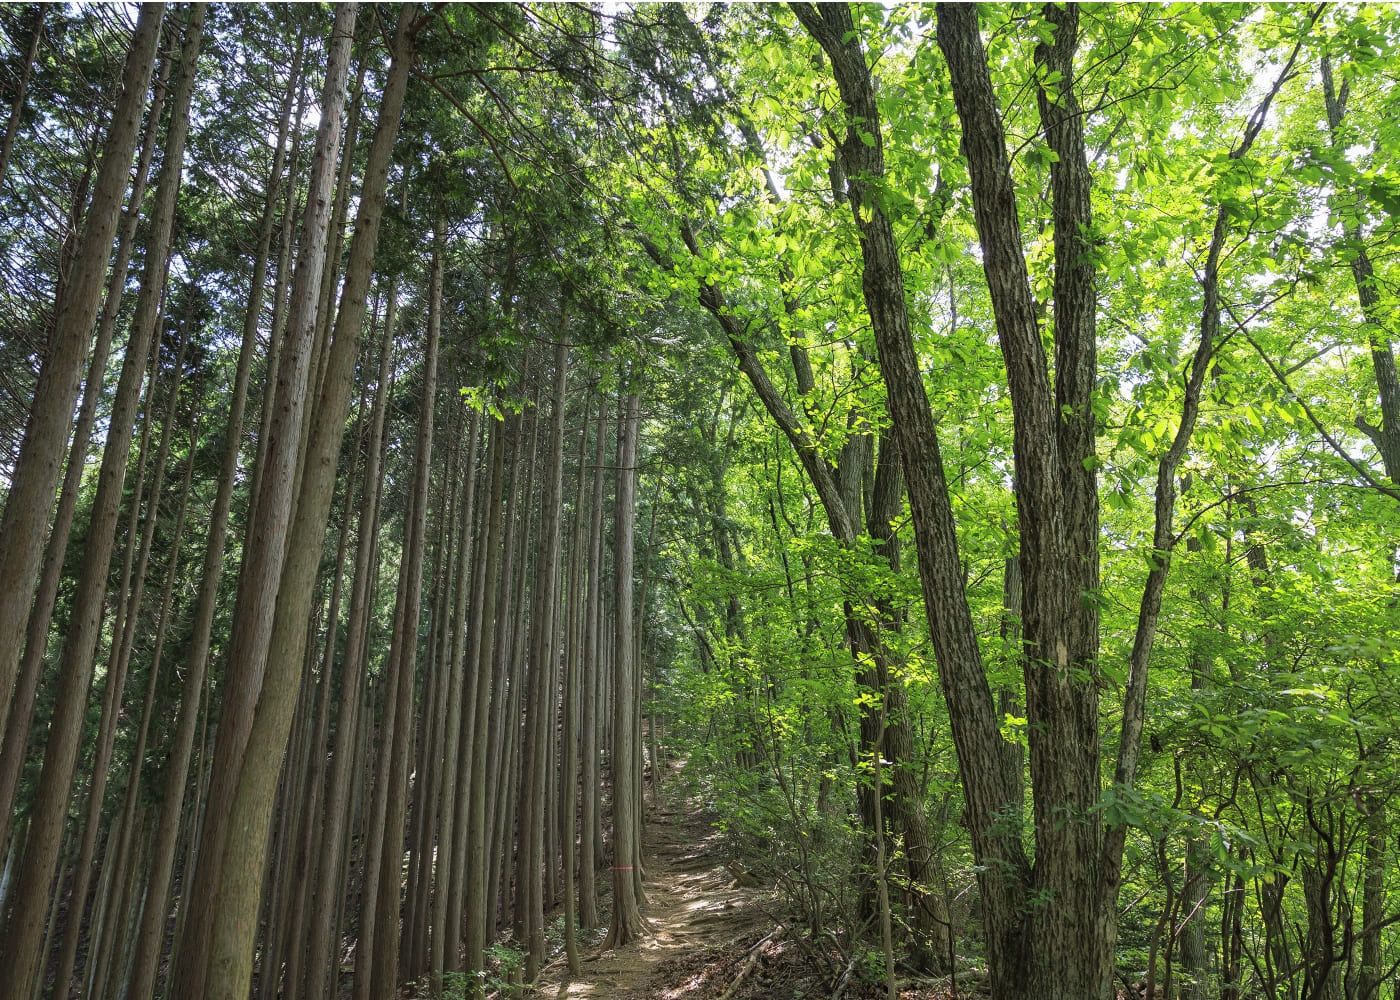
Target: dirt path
{"points": [[693, 912]]}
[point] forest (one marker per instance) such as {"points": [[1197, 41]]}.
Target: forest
{"points": [[488, 488]]}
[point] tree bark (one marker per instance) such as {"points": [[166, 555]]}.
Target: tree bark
{"points": [[17, 105], [569, 800], [21, 949], [592, 674], [446, 924], [36, 471], [16, 724], [320, 952], [627, 924], [477, 818], [166, 835], [542, 710], [263, 553], [231, 947], [984, 758], [120, 664], [386, 933]]}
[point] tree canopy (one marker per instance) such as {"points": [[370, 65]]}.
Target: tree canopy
{"points": [[956, 447]]}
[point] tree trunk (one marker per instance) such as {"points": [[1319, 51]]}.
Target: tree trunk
{"points": [[627, 924], [118, 668], [260, 574], [16, 723], [231, 951], [386, 933], [106, 929], [572, 703], [477, 819], [446, 924], [25, 926], [35, 477], [153, 913], [17, 105], [591, 844], [985, 759], [321, 955]]}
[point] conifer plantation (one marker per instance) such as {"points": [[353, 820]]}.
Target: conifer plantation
{"points": [[699, 501]]}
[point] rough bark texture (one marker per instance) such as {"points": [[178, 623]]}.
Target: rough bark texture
{"points": [[265, 545], [984, 758], [231, 950]]}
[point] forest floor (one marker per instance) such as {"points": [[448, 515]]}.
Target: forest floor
{"points": [[709, 938], [699, 920]]}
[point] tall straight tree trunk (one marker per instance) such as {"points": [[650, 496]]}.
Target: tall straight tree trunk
{"points": [[475, 878], [627, 923], [117, 671], [569, 798], [104, 927], [476, 682], [504, 775], [310, 841], [324, 908], [590, 847], [265, 545], [25, 925], [386, 918], [541, 710], [31, 490], [231, 947], [166, 835], [502, 739], [446, 929], [376, 808], [36, 640], [431, 755]]}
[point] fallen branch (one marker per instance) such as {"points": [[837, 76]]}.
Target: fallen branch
{"points": [[754, 952], [845, 979]]}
